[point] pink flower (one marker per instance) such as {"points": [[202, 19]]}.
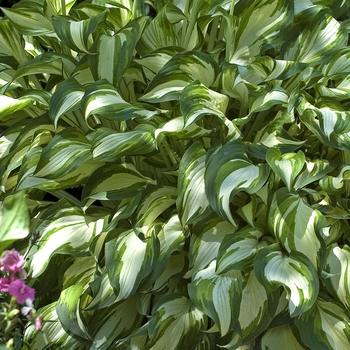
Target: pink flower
{"points": [[12, 261], [21, 291], [4, 284], [38, 322]]}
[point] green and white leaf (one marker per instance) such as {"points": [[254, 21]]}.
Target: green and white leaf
{"points": [[109, 146], [287, 166], [9, 105], [297, 226], [214, 294], [325, 326], [294, 272], [129, 260], [238, 250], [228, 172], [63, 230], [192, 202], [175, 323]]}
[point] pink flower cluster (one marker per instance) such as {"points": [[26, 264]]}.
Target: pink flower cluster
{"points": [[13, 284]]}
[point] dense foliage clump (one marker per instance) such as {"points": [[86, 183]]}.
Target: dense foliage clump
{"points": [[185, 165]]}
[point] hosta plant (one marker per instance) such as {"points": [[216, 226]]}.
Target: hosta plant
{"points": [[186, 168]]}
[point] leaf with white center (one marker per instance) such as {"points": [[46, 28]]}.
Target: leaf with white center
{"points": [[287, 166], [109, 146], [52, 333], [297, 225], [197, 101], [75, 282], [66, 99], [257, 308], [14, 219], [325, 326], [77, 34], [129, 260], [103, 98], [319, 39], [281, 337], [50, 63], [266, 100], [101, 292], [228, 172], [9, 105], [63, 230], [215, 294], [113, 323], [238, 250], [114, 181], [64, 154], [28, 21], [336, 184], [259, 24], [337, 268], [152, 206], [273, 268], [176, 323], [337, 65], [205, 242], [113, 54], [182, 69], [192, 202], [315, 170]]}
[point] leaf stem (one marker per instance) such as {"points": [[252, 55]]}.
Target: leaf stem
{"points": [[63, 7]]}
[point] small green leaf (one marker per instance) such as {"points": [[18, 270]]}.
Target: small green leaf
{"points": [[14, 219]]}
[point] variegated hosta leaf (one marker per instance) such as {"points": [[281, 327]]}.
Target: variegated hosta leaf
{"points": [[205, 242], [64, 154], [287, 166], [129, 260], [175, 323], [75, 282], [77, 34], [49, 62], [114, 323], [257, 308], [66, 99], [328, 122], [102, 98], [297, 225], [338, 65], [315, 170], [273, 268], [238, 250], [114, 181], [113, 54], [337, 269], [9, 105], [336, 184], [159, 34], [175, 75], [258, 24], [101, 292], [215, 294], [109, 146], [281, 337], [192, 202], [229, 171], [325, 326], [319, 39], [28, 20], [197, 101], [52, 334], [152, 206], [63, 230], [14, 219]]}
